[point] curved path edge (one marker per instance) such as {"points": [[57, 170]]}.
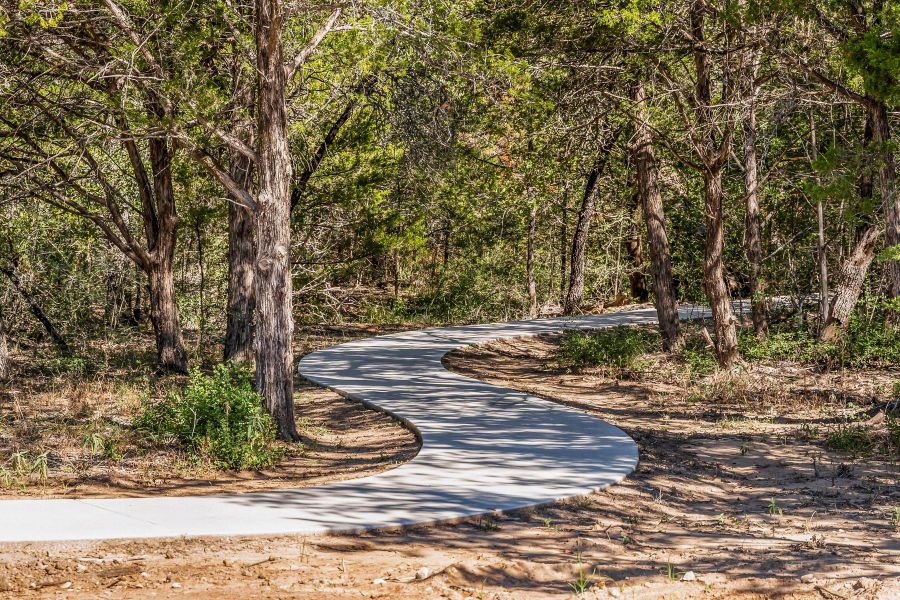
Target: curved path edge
{"points": [[485, 449]]}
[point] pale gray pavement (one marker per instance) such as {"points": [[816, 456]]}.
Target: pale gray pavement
{"points": [[485, 448]]}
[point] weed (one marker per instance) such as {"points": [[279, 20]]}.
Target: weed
{"points": [[22, 464], [671, 572], [584, 580], [895, 517], [94, 442], [774, 509]]}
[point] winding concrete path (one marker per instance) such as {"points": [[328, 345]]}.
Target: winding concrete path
{"points": [[485, 448]]}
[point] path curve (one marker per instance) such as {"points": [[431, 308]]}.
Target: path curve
{"points": [[485, 448]]}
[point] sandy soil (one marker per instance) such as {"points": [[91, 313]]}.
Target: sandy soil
{"points": [[721, 506]]}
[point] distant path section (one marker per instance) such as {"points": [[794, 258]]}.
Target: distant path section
{"points": [[484, 448]]}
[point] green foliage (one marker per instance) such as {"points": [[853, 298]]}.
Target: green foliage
{"points": [[220, 417], [696, 356], [868, 342], [617, 349], [853, 438]]}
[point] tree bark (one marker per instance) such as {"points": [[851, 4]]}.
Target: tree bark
{"points": [[241, 303], [582, 228], [724, 321], [821, 258], [759, 305], [241, 261], [634, 246], [713, 156], [272, 278], [563, 242], [532, 284], [4, 351], [644, 158], [161, 226], [164, 317], [579, 240], [850, 284], [887, 176]]}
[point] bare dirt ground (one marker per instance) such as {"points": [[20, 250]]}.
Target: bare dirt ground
{"points": [[734, 500]]}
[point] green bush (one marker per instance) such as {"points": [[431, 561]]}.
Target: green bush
{"points": [[866, 343], [618, 348], [219, 416], [853, 438]]}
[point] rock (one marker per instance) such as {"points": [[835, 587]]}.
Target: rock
{"points": [[379, 581], [423, 573], [808, 578], [66, 585], [615, 592], [864, 583], [175, 585], [689, 576]]}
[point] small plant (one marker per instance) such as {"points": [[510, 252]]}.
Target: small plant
{"points": [[219, 416], [22, 464], [895, 517], [584, 580], [94, 442], [774, 509], [671, 572]]}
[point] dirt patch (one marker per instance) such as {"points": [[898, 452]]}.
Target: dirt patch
{"points": [[700, 502]]}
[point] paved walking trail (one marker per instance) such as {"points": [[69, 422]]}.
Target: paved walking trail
{"points": [[485, 448]]}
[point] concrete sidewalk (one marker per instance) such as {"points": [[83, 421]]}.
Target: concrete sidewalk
{"points": [[485, 448]]}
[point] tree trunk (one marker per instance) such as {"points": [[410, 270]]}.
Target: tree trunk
{"points": [[579, 240], [272, 278], [713, 156], [532, 284], [724, 321], [241, 261], [582, 227], [887, 176], [634, 246], [161, 226], [852, 278], [164, 316], [563, 242], [654, 217], [759, 305], [4, 351], [35, 308], [821, 258]]}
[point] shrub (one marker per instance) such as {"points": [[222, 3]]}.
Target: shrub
{"points": [[617, 349], [853, 438], [219, 416]]}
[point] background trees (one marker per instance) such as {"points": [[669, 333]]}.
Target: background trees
{"points": [[225, 170]]}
